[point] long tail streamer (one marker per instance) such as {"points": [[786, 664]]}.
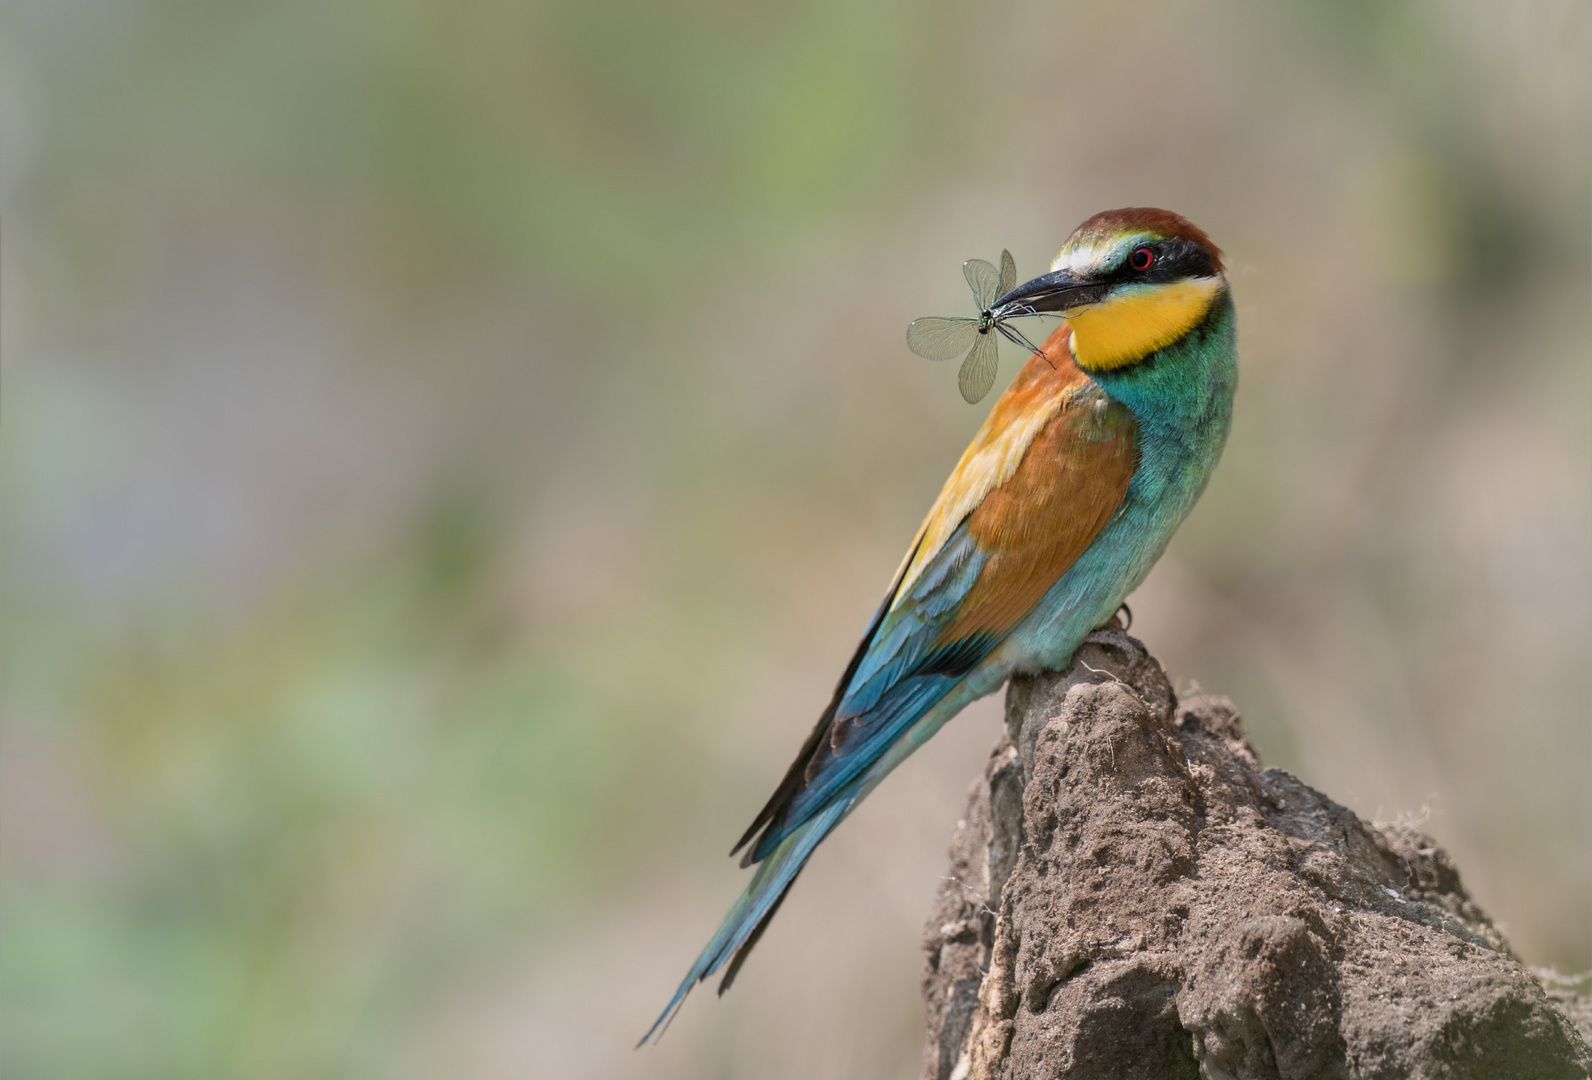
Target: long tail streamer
{"points": [[754, 907]]}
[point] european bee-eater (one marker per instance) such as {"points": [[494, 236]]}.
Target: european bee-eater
{"points": [[1070, 491]]}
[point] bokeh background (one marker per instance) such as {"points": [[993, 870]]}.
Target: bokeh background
{"points": [[450, 449]]}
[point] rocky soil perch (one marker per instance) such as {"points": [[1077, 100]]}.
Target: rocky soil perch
{"points": [[1131, 895]]}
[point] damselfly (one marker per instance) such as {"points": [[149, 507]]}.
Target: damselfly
{"points": [[936, 338]]}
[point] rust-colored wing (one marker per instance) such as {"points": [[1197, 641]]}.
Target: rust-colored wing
{"points": [[1045, 473]]}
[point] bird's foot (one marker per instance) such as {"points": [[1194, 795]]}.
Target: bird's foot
{"points": [[1120, 621]]}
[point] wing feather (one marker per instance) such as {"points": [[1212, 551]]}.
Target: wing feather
{"points": [[1029, 498]]}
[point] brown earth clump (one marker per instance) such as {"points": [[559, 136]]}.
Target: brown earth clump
{"points": [[1132, 895]]}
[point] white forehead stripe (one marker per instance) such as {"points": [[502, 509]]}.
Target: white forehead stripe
{"points": [[1084, 259]]}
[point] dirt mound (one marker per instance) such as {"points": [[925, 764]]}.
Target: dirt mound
{"points": [[1131, 895]]}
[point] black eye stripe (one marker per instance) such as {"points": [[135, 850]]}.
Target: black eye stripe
{"points": [[1170, 260]]}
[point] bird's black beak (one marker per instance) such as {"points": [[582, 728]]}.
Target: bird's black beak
{"points": [[1057, 291]]}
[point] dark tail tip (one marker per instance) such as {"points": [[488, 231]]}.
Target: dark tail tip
{"points": [[665, 1018]]}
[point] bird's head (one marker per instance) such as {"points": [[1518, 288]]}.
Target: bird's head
{"points": [[1130, 282]]}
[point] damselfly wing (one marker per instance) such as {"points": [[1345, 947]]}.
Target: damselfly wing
{"points": [[940, 338]]}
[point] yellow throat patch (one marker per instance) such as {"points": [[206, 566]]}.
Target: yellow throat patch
{"points": [[1133, 323]]}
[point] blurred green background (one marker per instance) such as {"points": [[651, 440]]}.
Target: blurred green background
{"points": [[449, 451]]}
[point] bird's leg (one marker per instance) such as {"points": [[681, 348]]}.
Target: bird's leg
{"points": [[1113, 635]]}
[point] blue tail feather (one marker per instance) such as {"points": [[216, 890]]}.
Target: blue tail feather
{"points": [[756, 904]]}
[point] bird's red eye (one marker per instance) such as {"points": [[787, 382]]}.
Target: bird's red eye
{"points": [[1141, 258]]}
